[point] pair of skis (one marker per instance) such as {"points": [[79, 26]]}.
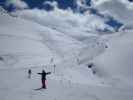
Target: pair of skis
{"points": [[40, 89]]}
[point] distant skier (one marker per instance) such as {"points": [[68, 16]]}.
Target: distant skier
{"points": [[92, 67], [51, 60], [43, 78], [54, 67], [78, 61], [1, 58], [106, 46], [29, 73]]}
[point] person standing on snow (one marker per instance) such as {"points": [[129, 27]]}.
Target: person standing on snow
{"points": [[43, 78], [92, 67], [29, 73]]}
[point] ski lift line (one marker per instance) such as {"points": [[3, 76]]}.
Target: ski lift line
{"points": [[66, 59], [23, 68], [26, 68], [32, 67]]}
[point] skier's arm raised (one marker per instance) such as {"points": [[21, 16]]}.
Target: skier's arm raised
{"points": [[39, 73]]}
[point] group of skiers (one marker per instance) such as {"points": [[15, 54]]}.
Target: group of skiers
{"points": [[43, 77]]}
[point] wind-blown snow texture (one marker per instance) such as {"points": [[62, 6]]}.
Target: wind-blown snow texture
{"points": [[29, 41]]}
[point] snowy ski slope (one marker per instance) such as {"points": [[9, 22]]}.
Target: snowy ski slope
{"points": [[25, 44]]}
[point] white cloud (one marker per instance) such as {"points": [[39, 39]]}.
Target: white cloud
{"points": [[128, 4], [65, 20], [18, 4], [98, 2], [81, 4], [53, 4], [121, 10]]}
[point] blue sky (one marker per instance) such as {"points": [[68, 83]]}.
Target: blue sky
{"points": [[39, 3], [63, 4]]}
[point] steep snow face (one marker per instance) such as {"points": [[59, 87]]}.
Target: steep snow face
{"points": [[19, 41], [22, 39], [117, 62]]}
